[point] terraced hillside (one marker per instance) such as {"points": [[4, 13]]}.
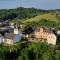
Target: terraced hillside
{"points": [[44, 19], [47, 16]]}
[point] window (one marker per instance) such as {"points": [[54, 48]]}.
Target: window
{"points": [[11, 41], [8, 40], [51, 36]]}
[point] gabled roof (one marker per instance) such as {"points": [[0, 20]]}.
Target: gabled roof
{"points": [[9, 35]]}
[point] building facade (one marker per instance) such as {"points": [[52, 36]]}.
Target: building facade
{"points": [[43, 34], [1, 39]]}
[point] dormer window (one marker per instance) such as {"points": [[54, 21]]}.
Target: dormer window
{"points": [[41, 29]]}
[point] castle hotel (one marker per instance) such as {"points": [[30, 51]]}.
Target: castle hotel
{"points": [[43, 34]]}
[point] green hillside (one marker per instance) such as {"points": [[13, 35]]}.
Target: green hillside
{"points": [[36, 20], [47, 16]]}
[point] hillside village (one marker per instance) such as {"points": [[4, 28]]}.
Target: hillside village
{"points": [[29, 34], [12, 33]]}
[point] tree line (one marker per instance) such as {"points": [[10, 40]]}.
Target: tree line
{"points": [[20, 12]]}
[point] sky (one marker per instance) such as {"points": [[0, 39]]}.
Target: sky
{"points": [[40, 4]]}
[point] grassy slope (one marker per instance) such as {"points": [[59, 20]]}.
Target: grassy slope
{"points": [[48, 16]]}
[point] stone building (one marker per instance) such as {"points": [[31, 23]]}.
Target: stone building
{"points": [[9, 38], [43, 34], [11, 35], [1, 39]]}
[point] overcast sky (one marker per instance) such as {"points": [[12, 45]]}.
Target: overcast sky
{"points": [[42, 4]]}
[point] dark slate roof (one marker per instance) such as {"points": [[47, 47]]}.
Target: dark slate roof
{"points": [[27, 30]]}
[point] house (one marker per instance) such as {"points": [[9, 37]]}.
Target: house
{"points": [[12, 36], [9, 38], [42, 34], [58, 32], [11, 24], [1, 39]]}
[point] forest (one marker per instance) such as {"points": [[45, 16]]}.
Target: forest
{"points": [[20, 12]]}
